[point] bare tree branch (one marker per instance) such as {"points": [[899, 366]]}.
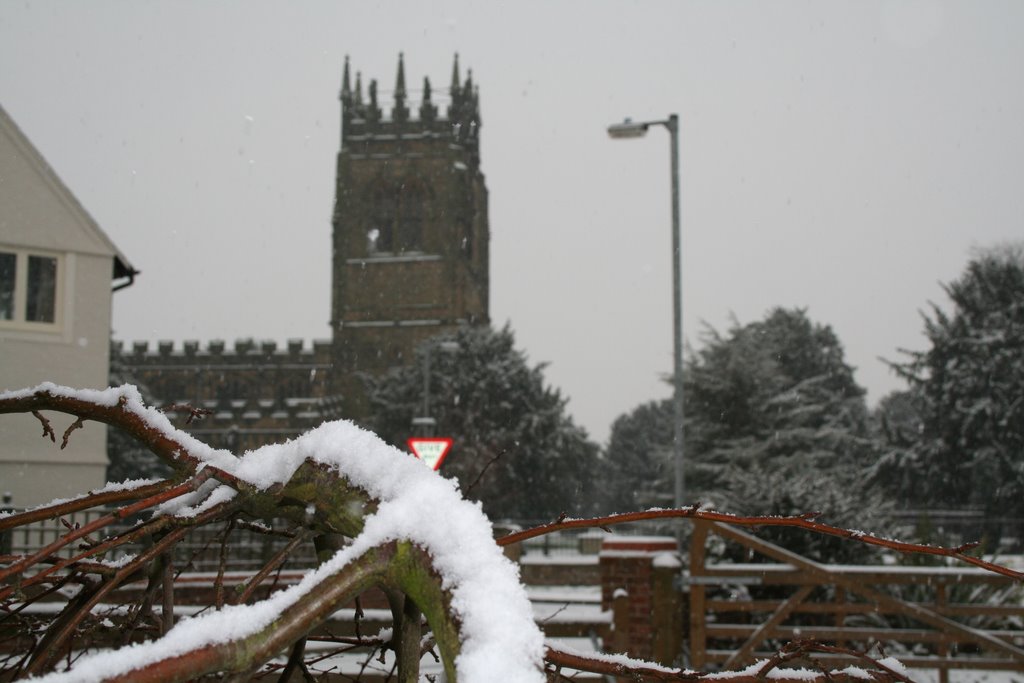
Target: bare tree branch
{"points": [[77, 424], [193, 412], [95, 525], [625, 667], [47, 427], [802, 521], [171, 449], [85, 502]]}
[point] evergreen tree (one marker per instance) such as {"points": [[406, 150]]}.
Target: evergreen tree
{"points": [[639, 459], [776, 424], [968, 388], [781, 427], [515, 448], [897, 425], [127, 458], [897, 419]]}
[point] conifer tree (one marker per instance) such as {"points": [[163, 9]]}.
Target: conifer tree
{"points": [[776, 424], [639, 459], [128, 459], [515, 448], [968, 389]]}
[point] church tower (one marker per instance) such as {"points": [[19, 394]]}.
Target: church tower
{"points": [[410, 242]]}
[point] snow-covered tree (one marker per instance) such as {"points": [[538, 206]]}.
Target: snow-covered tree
{"points": [[780, 425], [968, 391], [515, 447], [639, 458], [772, 400], [897, 419]]}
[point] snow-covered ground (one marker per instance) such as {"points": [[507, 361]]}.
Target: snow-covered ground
{"points": [[970, 676]]}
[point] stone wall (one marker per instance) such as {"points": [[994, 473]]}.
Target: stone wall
{"points": [[255, 393]]}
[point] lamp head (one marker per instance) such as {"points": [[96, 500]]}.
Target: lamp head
{"points": [[627, 129]]}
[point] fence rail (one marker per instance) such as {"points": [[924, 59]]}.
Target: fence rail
{"points": [[929, 617], [199, 551]]}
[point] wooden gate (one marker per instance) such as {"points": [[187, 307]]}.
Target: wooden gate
{"points": [[847, 605]]}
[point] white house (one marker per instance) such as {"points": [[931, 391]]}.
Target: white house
{"points": [[57, 274]]}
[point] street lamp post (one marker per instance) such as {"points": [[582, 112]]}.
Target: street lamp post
{"points": [[632, 129], [425, 422]]}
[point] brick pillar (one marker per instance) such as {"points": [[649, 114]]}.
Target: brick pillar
{"points": [[627, 566]]}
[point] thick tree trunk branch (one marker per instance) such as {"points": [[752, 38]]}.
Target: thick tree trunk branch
{"points": [[395, 564]]}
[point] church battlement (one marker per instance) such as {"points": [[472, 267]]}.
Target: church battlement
{"points": [[258, 411], [245, 351], [254, 392]]}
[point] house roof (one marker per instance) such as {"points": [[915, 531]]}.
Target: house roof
{"points": [[122, 266]]}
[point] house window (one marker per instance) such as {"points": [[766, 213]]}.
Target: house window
{"points": [[41, 289], [8, 263], [28, 288]]}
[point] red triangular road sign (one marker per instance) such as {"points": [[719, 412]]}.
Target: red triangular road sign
{"points": [[432, 451]]}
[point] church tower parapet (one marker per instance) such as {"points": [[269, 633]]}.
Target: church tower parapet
{"points": [[366, 130]]}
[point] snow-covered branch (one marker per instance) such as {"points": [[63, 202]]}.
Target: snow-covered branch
{"points": [[337, 479]]}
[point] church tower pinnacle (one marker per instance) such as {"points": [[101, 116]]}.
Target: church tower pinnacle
{"points": [[400, 112]]}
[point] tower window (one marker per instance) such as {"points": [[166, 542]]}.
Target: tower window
{"points": [[372, 240], [380, 236], [397, 220], [410, 222], [466, 228]]}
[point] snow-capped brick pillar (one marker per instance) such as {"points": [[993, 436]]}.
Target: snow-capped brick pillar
{"points": [[637, 584]]}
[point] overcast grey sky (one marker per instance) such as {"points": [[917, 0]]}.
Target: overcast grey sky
{"points": [[838, 156]]}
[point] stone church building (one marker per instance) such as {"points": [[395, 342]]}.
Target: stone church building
{"points": [[410, 262]]}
